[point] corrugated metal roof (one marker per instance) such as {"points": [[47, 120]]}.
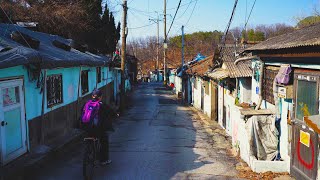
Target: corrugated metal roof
{"points": [[242, 69], [201, 67], [299, 38], [218, 74]]}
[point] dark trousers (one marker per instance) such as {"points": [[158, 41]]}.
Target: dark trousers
{"points": [[104, 148]]}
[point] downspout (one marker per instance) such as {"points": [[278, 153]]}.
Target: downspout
{"points": [[260, 86], [42, 105]]}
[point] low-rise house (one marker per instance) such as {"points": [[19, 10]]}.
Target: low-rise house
{"points": [[199, 88], [43, 85], [285, 84], [233, 87]]}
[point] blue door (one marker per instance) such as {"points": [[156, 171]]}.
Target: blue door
{"points": [[12, 121]]}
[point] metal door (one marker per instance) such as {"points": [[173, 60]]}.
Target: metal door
{"points": [[12, 121], [304, 152]]}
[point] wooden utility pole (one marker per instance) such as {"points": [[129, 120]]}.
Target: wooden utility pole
{"points": [[157, 64], [182, 48], [123, 54], [165, 43], [182, 62]]}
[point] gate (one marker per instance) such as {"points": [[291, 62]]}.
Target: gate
{"points": [[304, 152]]}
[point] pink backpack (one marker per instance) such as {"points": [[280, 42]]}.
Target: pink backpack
{"points": [[90, 113]]}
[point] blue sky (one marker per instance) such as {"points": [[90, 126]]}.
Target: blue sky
{"points": [[209, 15]]}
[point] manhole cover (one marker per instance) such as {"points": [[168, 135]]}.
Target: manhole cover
{"points": [[167, 101]]}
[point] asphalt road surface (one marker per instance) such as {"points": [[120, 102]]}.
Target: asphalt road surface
{"points": [[157, 138]]}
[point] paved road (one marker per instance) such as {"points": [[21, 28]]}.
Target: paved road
{"points": [[156, 139]]}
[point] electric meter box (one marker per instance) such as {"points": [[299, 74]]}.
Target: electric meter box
{"points": [[285, 92]]}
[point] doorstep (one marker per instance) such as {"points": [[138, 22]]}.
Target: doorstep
{"points": [[38, 155]]}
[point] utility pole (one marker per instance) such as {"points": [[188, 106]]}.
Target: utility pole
{"points": [[123, 54], [165, 43], [182, 50], [157, 64], [182, 62]]}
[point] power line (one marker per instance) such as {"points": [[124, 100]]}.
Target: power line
{"points": [[230, 21], [192, 12], [254, 3], [15, 26], [226, 32], [142, 26], [185, 10], [174, 16], [182, 5]]}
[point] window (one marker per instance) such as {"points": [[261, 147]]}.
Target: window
{"points": [[84, 82], [195, 83], [11, 96], [306, 98], [54, 90], [98, 74]]}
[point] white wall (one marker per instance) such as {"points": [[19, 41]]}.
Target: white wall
{"points": [[207, 100], [178, 84], [197, 94]]}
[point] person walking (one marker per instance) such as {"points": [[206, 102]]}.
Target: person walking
{"points": [[96, 120]]}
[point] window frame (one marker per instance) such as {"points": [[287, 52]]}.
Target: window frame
{"points": [[82, 82], [59, 101], [298, 76], [99, 74]]}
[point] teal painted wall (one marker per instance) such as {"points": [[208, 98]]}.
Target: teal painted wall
{"points": [[70, 78]]}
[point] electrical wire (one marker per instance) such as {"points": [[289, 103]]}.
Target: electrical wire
{"points": [[174, 17], [15, 26], [191, 12], [182, 5], [185, 10], [254, 3], [142, 26], [226, 32]]}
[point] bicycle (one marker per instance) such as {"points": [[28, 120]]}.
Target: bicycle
{"points": [[92, 147]]}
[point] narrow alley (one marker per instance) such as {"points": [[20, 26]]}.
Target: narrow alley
{"points": [[156, 139]]}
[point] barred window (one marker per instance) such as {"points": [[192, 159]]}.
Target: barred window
{"points": [[54, 90], [98, 74], [84, 82], [267, 85]]}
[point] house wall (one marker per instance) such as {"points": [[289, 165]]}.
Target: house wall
{"points": [[245, 90], [197, 93], [284, 106], [207, 99], [60, 118], [178, 84]]}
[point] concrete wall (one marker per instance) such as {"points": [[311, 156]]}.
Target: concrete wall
{"points": [[197, 93], [178, 84]]}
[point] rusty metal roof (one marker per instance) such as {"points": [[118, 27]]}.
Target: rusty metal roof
{"points": [[299, 38], [201, 67]]}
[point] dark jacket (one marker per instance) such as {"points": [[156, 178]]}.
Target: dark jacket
{"points": [[106, 115]]}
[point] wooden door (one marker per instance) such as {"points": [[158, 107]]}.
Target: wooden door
{"points": [[12, 121]]}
